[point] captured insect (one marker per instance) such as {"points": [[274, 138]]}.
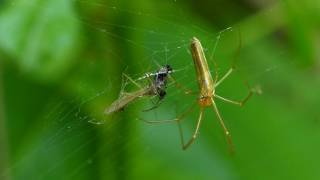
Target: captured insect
{"points": [[207, 95], [157, 87]]}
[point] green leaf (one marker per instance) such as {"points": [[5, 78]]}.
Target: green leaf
{"points": [[40, 36]]}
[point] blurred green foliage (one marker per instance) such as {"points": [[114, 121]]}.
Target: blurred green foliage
{"points": [[61, 64]]}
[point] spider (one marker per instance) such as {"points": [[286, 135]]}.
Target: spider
{"points": [[156, 87], [207, 95]]}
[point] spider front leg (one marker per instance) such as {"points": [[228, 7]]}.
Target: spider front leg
{"points": [[224, 77], [232, 68], [186, 90]]}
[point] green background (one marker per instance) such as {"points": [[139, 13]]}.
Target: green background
{"points": [[61, 65]]}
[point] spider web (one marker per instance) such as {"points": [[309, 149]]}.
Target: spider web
{"points": [[83, 148]]}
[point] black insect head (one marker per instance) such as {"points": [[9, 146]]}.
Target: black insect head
{"points": [[161, 80]]}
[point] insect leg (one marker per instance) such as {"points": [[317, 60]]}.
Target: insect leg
{"points": [[131, 80], [157, 104], [180, 86]]}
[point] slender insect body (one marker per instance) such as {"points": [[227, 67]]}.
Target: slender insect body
{"points": [[124, 100], [205, 81], [157, 87]]}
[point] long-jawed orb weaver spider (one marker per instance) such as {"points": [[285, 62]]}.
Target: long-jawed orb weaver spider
{"points": [[156, 87], [207, 94]]}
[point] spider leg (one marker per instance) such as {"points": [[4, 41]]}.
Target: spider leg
{"points": [[239, 103], [224, 77], [226, 131], [233, 62], [195, 133], [177, 119], [180, 86], [216, 73]]}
